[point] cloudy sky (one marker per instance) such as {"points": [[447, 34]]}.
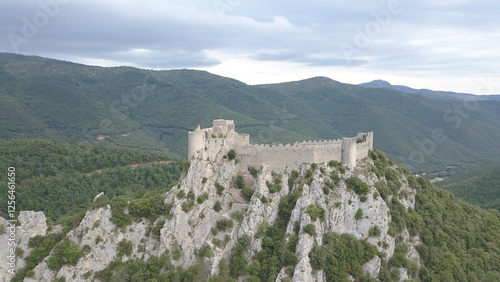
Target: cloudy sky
{"points": [[442, 45]]}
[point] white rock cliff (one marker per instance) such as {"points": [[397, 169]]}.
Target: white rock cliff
{"points": [[190, 224]]}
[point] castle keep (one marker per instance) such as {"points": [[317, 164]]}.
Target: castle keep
{"points": [[214, 142]]}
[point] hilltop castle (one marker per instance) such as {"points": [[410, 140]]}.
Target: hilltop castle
{"points": [[216, 141]]}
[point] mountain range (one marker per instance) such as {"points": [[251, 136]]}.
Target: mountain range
{"points": [[138, 108], [444, 95], [96, 210]]}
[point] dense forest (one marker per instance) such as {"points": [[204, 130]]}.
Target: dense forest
{"points": [[63, 178], [459, 241], [130, 107], [482, 189], [127, 129]]}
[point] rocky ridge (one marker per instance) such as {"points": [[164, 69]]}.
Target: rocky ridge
{"points": [[208, 195]]}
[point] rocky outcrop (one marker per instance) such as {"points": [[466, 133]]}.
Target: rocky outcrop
{"points": [[30, 224], [191, 223]]}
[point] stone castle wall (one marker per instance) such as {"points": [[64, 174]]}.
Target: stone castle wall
{"points": [[213, 143]]}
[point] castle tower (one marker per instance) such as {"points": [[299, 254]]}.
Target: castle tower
{"points": [[196, 141], [370, 139], [349, 152], [214, 142]]}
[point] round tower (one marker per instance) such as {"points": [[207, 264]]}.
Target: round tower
{"points": [[195, 142], [349, 152]]}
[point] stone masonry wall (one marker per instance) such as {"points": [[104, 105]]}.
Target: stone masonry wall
{"points": [[213, 143]]}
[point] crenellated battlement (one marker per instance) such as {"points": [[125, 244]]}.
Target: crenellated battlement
{"points": [[214, 142]]}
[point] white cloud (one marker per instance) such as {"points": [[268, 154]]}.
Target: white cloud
{"points": [[282, 40]]}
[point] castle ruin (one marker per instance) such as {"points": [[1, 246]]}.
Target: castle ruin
{"points": [[214, 142]]}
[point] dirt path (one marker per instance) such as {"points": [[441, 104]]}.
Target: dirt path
{"points": [[131, 166]]}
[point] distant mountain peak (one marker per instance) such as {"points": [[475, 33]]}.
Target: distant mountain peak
{"points": [[378, 83]]}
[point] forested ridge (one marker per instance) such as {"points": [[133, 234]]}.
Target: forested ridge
{"points": [[77, 103], [458, 241], [130, 107], [482, 189], [62, 179]]}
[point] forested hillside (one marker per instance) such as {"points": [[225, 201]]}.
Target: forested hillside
{"points": [[182, 232], [62, 179], [482, 189], [129, 107], [444, 95]]}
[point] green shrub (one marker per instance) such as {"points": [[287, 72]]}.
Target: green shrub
{"points": [[181, 194], [214, 231], [124, 247], [315, 211], [238, 264], [65, 252], [231, 155], [224, 224], [341, 256], [118, 215], [19, 252], [329, 185], [150, 207], [191, 196], [363, 198], [86, 249], [98, 239], [204, 180], [335, 177], [310, 229], [217, 206], [293, 177], [309, 173], [359, 214], [176, 254], [240, 181], [334, 163], [326, 191], [261, 231], [87, 274], [158, 226], [238, 215], [253, 171], [382, 189], [220, 189], [202, 198], [273, 188], [374, 231], [186, 206], [247, 193], [356, 184], [30, 273], [205, 251], [102, 201], [399, 257]]}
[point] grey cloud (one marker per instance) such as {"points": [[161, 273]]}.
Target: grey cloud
{"points": [[305, 59], [307, 32]]}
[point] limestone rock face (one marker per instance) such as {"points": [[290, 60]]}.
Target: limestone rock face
{"points": [[192, 223], [30, 224]]}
